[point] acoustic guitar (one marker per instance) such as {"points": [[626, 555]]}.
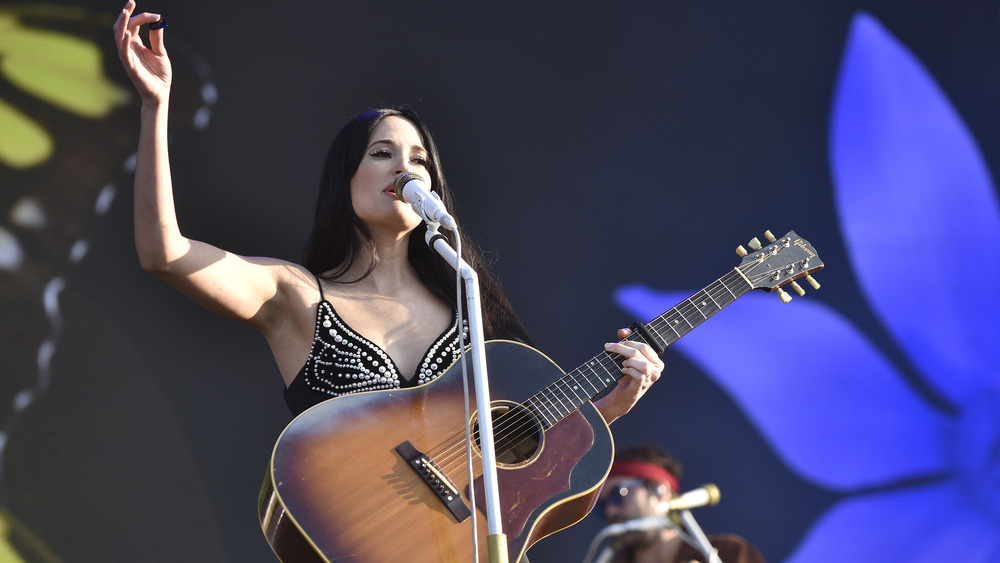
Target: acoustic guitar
{"points": [[381, 476]]}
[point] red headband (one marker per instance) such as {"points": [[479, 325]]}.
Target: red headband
{"points": [[647, 471]]}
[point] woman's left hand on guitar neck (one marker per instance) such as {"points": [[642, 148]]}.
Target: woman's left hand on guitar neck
{"points": [[642, 367]]}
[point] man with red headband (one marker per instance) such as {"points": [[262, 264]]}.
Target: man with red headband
{"points": [[640, 483]]}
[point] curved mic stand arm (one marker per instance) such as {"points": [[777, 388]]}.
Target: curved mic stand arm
{"points": [[605, 555], [646, 523], [699, 539], [496, 541], [692, 535]]}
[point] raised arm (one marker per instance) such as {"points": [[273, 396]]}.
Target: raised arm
{"points": [[240, 288]]}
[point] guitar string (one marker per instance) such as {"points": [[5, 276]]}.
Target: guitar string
{"points": [[549, 405], [524, 426], [672, 322], [685, 308], [556, 404], [571, 380], [616, 358], [515, 429]]}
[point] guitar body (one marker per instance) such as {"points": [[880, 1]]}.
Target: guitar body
{"points": [[337, 489]]}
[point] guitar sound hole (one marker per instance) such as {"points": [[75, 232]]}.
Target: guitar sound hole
{"points": [[516, 434]]}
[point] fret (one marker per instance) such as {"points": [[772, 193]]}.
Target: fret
{"points": [[558, 392], [660, 336], [738, 281], [559, 402], [573, 399], [548, 415], [697, 307], [706, 307], [572, 387], [592, 383], [603, 371], [684, 317], [671, 327], [536, 406], [714, 302], [605, 378]]}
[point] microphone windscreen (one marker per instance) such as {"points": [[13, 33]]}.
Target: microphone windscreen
{"points": [[402, 180]]}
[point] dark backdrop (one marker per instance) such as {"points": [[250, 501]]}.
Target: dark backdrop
{"points": [[591, 145]]}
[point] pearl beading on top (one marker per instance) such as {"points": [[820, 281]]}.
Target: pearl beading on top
{"points": [[342, 362]]}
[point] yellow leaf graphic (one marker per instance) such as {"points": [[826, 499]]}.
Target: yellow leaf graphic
{"points": [[63, 70], [23, 143]]}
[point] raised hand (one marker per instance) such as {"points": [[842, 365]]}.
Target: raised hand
{"points": [[148, 68]]}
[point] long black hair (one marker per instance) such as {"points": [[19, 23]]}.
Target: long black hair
{"points": [[339, 238]]}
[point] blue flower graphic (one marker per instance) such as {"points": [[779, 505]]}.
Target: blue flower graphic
{"points": [[914, 448]]}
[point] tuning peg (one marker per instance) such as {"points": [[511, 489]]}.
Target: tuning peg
{"points": [[785, 297], [754, 244], [798, 289], [812, 281], [769, 236], [741, 251]]}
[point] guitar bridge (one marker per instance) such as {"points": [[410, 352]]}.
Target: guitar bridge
{"points": [[435, 479]]}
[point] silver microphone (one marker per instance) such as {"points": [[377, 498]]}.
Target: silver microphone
{"points": [[705, 495], [410, 188]]}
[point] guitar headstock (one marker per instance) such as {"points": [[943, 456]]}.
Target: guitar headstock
{"points": [[782, 261]]}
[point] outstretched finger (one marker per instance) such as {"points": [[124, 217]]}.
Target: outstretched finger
{"points": [[622, 349], [121, 24]]}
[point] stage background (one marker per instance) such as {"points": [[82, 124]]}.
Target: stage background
{"points": [[591, 147]]}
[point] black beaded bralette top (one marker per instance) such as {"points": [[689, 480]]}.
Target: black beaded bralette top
{"points": [[342, 362]]}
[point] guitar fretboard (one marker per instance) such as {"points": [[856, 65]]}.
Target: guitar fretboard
{"points": [[568, 393]]}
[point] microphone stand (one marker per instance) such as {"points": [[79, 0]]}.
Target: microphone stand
{"points": [[690, 533], [698, 535], [647, 523], [496, 541]]}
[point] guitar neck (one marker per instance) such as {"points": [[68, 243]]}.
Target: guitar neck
{"points": [[567, 394]]}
